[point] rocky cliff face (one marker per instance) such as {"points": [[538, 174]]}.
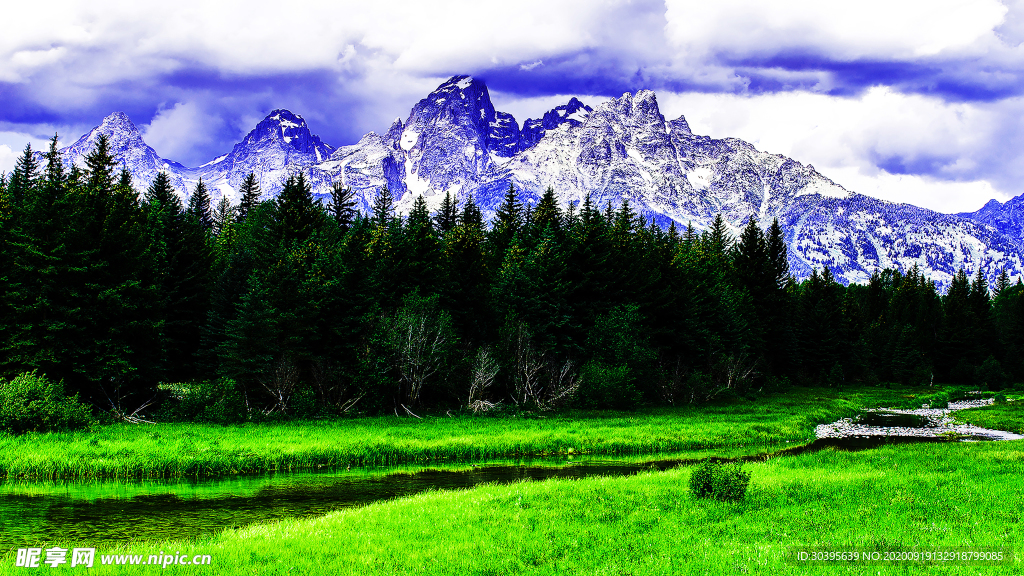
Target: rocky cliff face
{"points": [[455, 141]]}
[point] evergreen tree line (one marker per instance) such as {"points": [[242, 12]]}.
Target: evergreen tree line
{"points": [[290, 306]]}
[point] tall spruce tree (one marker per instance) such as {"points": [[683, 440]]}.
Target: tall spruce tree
{"points": [[383, 207], [296, 213], [223, 215], [199, 207], [508, 219], [547, 215], [424, 249], [250, 191], [182, 260], [24, 176], [343, 205], [447, 215]]}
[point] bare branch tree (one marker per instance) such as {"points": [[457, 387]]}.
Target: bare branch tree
{"points": [[485, 370], [563, 382], [527, 368], [538, 382], [420, 357], [281, 383], [343, 397]]}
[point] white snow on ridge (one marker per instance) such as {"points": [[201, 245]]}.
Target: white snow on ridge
{"points": [[700, 178]]}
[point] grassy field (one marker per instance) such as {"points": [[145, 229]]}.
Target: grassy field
{"points": [[198, 450], [923, 495], [1008, 416]]}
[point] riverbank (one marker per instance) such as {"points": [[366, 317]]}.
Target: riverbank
{"points": [[201, 450], [895, 497]]}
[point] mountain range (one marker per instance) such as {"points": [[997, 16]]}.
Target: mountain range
{"points": [[455, 141]]}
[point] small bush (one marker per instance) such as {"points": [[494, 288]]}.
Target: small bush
{"points": [[30, 402], [991, 374], [721, 481], [1000, 399], [217, 401], [607, 386]]}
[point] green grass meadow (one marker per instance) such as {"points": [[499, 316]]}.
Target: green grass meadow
{"points": [[198, 450], [1008, 416], [923, 496]]}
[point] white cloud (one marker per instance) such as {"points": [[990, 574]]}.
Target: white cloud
{"points": [[176, 133], [939, 195], [8, 158], [74, 56], [967, 153], [12, 145], [845, 30], [245, 36]]}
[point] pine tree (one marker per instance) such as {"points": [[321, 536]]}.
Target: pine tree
{"points": [[250, 191], [751, 262], [720, 241], [471, 216], [199, 207], [38, 321], [24, 176], [160, 194], [223, 215], [466, 274], [778, 257], [1002, 282], [547, 214], [424, 249], [122, 333], [296, 213], [508, 220], [342, 206], [99, 166], [447, 215], [182, 260], [383, 207]]}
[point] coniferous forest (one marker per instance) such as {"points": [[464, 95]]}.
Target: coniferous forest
{"points": [[293, 307]]}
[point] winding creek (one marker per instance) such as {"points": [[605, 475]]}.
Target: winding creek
{"points": [[107, 512]]}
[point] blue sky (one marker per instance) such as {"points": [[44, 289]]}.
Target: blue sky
{"points": [[912, 101]]}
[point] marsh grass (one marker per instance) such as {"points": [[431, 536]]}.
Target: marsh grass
{"points": [[203, 450], [920, 495]]}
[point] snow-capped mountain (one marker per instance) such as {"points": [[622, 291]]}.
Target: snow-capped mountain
{"points": [[1007, 217], [279, 145], [455, 141], [131, 151]]}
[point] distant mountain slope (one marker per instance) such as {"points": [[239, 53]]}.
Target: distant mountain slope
{"points": [[455, 141], [1007, 217]]}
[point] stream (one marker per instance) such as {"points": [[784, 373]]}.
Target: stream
{"points": [[105, 512]]}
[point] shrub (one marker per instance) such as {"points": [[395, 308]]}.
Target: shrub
{"points": [[218, 401], [721, 481], [608, 387], [991, 374], [30, 402]]}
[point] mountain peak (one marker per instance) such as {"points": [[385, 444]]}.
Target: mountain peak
{"points": [[117, 121], [573, 113], [282, 128], [460, 82], [285, 118]]}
